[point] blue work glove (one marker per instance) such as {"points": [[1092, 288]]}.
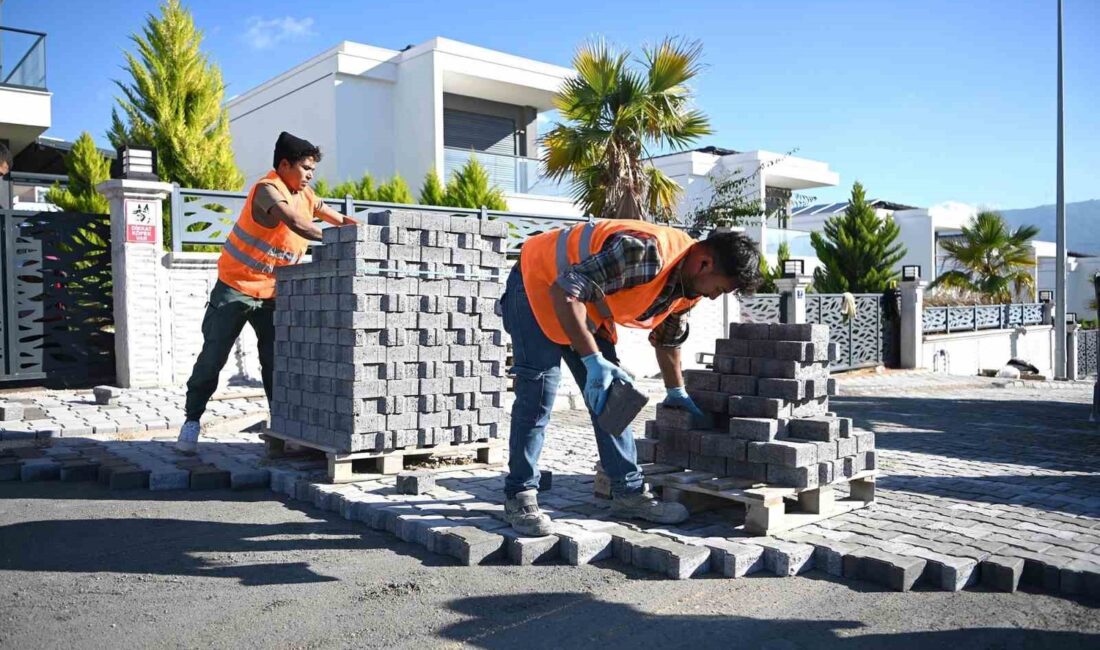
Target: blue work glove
{"points": [[601, 373], [678, 398]]}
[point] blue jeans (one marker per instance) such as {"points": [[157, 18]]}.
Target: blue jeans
{"points": [[537, 372]]}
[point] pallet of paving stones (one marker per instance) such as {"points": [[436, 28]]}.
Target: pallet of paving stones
{"points": [[389, 339], [768, 436], [348, 467]]}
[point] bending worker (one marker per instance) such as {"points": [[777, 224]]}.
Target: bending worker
{"points": [[273, 230], [563, 300]]}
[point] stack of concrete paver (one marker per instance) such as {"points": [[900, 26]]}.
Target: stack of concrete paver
{"points": [[767, 398], [389, 338]]}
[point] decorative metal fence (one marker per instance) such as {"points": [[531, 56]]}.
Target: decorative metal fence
{"points": [[762, 308], [207, 216], [1088, 349], [980, 317], [57, 320], [863, 339]]}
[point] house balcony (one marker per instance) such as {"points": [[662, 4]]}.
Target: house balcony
{"points": [[512, 174], [24, 99]]}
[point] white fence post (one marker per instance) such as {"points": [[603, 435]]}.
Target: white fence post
{"points": [[794, 296], [1073, 368], [140, 281], [912, 322]]}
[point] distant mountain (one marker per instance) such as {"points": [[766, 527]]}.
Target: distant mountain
{"points": [[1082, 224]]}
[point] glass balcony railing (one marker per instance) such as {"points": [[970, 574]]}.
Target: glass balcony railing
{"points": [[512, 174], [797, 240], [22, 58]]}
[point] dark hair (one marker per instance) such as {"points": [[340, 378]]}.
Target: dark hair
{"points": [[736, 256], [292, 149], [5, 156]]}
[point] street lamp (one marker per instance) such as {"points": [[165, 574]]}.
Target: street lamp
{"points": [[135, 163], [1046, 295], [910, 272]]}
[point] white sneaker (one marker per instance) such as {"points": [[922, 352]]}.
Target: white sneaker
{"points": [[188, 441]]}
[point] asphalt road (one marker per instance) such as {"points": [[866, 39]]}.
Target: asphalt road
{"points": [[84, 567]]}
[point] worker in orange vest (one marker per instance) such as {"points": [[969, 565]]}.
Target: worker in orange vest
{"points": [[273, 230], [563, 300]]}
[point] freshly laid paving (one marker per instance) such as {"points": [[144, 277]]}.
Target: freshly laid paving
{"points": [[980, 485]]}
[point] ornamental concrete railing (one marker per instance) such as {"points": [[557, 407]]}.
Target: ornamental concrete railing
{"points": [[979, 317], [205, 217]]}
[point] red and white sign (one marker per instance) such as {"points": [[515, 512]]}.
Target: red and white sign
{"points": [[141, 221]]}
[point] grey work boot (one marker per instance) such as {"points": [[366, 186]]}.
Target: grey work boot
{"points": [[643, 505], [522, 511]]}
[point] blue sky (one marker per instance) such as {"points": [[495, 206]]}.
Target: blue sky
{"points": [[921, 100]]}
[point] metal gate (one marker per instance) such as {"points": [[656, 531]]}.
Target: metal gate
{"points": [[57, 321], [863, 340], [1087, 351]]}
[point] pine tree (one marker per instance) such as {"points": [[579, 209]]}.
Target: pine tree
{"points": [[86, 168], [858, 250], [322, 189], [432, 192], [395, 190], [469, 188], [174, 104]]}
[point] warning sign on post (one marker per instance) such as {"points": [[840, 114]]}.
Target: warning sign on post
{"points": [[141, 222]]}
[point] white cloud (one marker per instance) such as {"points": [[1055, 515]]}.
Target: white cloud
{"points": [[265, 33]]}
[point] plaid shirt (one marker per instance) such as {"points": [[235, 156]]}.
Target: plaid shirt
{"points": [[628, 259]]}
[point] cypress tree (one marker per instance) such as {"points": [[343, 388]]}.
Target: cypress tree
{"points": [[173, 103], [469, 188], [395, 190], [432, 192], [858, 249], [86, 168]]}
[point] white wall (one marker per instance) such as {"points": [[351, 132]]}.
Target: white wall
{"points": [[1079, 287], [919, 238], [191, 277], [967, 353], [300, 102]]}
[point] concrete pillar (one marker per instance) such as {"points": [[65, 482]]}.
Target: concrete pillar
{"points": [[1072, 366], [912, 322], [140, 282], [794, 296]]}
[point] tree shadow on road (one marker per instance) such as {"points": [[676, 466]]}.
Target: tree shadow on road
{"points": [[563, 620]]}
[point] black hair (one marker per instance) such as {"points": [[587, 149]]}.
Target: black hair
{"points": [[5, 156], [292, 149], [736, 256]]}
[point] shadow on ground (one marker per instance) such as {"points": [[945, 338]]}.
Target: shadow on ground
{"points": [[562, 620], [179, 547]]}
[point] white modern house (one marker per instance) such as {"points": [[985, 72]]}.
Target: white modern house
{"points": [[428, 106], [772, 180], [25, 101]]}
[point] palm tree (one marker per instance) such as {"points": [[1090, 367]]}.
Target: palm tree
{"points": [[990, 259], [612, 113]]}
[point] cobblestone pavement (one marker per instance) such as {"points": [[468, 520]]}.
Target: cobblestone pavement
{"points": [[981, 484], [45, 414]]}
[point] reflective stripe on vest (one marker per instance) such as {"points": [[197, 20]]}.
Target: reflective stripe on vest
{"points": [[260, 245], [561, 252], [246, 259]]}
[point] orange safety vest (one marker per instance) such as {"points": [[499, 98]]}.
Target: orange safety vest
{"points": [[252, 252], [546, 256]]}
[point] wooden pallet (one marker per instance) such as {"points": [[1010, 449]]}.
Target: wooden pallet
{"points": [[348, 467], [768, 509]]}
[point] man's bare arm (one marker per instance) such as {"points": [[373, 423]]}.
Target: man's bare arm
{"points": [[668, 360], [299, 223], [329, 215]]}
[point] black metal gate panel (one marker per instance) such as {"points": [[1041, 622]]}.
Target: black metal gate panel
{"points": [[1087, 352], [57, 321], [861, 338], [762, 308]]}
